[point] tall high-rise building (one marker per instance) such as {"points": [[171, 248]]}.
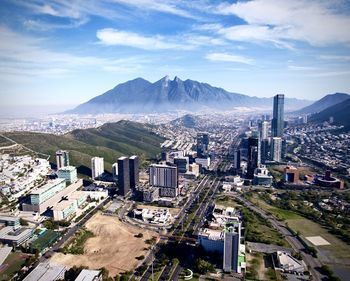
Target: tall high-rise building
{"points": [[276, 149], [97, 167], [232, 237], [202, 144], [264, 130], [254, 156], [134, 171], [265, 150], [237, 159], [115, 171], [165, 177], [182, 164], [123, 175], [277, 125], [62, 158]]}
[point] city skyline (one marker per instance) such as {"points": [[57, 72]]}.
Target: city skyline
{"points": [[62, 53]]}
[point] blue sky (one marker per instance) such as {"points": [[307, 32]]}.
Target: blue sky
{"points": [[64, 52]]}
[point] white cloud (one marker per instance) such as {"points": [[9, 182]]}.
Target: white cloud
{"points": [[228, 58], [319, 23], [113, 37]]}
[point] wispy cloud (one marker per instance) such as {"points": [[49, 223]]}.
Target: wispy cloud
{"points": [[335, 57], [114, 37], [22, 55], [229, 58], [319, 23]]}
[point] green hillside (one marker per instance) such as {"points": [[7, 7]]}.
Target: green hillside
{"points": [[109, 141]]}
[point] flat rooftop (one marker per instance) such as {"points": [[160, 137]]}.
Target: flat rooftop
{"points": [[88, 275], [47, 186], [45, 272], [67, 169]]}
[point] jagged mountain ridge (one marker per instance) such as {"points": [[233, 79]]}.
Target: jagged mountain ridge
{"points": [[142, 96], [323, 103]]}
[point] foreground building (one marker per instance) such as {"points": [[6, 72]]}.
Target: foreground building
{"points": [[46, 272], [223, 235], [262, 176]]}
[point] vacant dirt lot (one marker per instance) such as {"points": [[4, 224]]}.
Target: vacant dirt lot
{"points": [[113, 247]]}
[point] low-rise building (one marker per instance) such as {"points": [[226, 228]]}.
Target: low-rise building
{"points": [[291, 174], [46, 272], [64, 210], [89, 275], [287, 263]]}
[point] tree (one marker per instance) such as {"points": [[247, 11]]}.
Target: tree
{"points": [[203, 266], [23, 222]]}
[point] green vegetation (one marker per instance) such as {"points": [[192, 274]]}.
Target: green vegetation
{"points": [[15, 261], [151, 241], [44, 241], [76, 246], [51, 224], [203, 267], [329, 273], [260, 230], [109, 141], [72, 273], [140, 235]]}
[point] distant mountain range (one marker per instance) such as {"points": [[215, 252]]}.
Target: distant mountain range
{"points": [[325, 102], [142, 96], [340, 113]]}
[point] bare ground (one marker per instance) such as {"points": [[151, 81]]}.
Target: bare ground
{"points": [[113, 247]]}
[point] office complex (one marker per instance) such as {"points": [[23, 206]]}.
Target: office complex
{"points": [[134, 171], [40, 195], [277, 125], [202, 144], [164, 177], [223, 235], [276, 149], [97, 167], [123, 175], [262, 176], [181, 164], [62, 158], [69, 173], [254, 156]]}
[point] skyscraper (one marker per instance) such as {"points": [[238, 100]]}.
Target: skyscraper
{"points": [[202, 144], [277, 125], [134, 171], [264, 130], [254, 158], [164, 177], [276, 149], [115, 171], [62, 158], [97, 167], [123, 175], [237, 159]]}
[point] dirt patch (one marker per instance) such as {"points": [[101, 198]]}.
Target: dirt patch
{"points": [[113, 247]]}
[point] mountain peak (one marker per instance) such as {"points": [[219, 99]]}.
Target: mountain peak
{"points": [[141, 96]]}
